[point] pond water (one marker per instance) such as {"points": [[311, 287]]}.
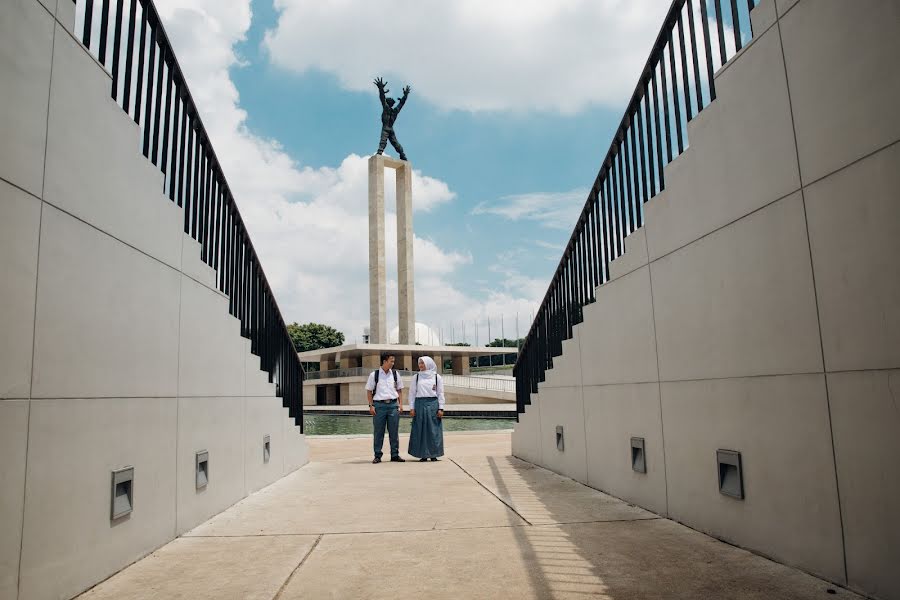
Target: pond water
{"points": [[352, 424]]}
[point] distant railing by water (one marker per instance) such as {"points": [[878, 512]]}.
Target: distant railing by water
{"points": [[148, 84], [475, 382], [671, 89]]}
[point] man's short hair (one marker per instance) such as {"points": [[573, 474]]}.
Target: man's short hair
{"points": [[387, 355]]}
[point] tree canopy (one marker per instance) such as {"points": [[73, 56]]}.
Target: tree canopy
{"points": [[313, 336], [506, 343]]}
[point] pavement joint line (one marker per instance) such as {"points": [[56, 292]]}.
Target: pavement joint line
{"points": [[297, 568], [562, 523], [507, 504], [313, 533]]}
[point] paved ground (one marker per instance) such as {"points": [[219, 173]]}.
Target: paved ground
{"points": [[477, 524]]}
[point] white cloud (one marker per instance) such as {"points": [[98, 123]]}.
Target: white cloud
{"points": [[475, 55], [557, 210], [309, 225], [549, 246]]}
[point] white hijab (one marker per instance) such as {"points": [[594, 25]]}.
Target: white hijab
{"points": [[430, 367]]}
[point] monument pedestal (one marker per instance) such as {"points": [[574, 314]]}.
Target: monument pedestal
{"points": [[377, 272]]}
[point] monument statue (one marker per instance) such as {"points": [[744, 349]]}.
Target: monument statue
{"points": [[388, 116]]}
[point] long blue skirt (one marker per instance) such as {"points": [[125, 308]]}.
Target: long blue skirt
{"points": [[427, 437]]}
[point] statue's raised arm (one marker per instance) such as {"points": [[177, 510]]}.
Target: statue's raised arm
{"points": [[406, 92], [380, 84]]}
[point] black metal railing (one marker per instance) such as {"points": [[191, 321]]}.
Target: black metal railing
{"points": [[675, 85], [149, 85]]}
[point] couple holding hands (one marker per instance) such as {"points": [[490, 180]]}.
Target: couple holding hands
{"points": [[426, 407]]}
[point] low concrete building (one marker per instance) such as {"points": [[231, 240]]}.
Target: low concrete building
{"points": [[343, 371]]}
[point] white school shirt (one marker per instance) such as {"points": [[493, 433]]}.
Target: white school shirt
{"points": [[426, 388], [386, 390]]}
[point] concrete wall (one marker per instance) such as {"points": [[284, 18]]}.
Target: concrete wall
{"points": [[758, 310], [117, 350]]}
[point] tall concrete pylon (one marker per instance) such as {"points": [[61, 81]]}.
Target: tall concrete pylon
{"points": [[377, 273]]}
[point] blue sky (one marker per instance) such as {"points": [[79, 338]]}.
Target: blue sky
{"points": [[513, 107]]}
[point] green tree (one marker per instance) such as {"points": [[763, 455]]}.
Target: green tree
{"points": [[313, 336], [505, 343]]}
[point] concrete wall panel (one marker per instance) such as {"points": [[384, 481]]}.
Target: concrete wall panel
{"points": [[725, 175], [193, 266], [613, 415], [50, 5], [780, 426], [13, 442], [95, 169], [217, 426], [263, 417], [211, 358], [854, 234], [618, 343], [635, 255], [566, 369], [763, 16], [739, 302], [65, 14], [107, 316], [845, 88], [20, 220], [69, 542], [296, 450], [865, 411], [26, 44], [784, 6], [256, 381], [563, 406], [526, 438]]}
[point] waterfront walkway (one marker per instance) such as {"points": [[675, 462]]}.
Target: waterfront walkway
{"points": [[477, 524]]}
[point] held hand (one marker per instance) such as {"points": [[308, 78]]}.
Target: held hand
{"points": [[440, 414], [371, 410], [407, 90]]}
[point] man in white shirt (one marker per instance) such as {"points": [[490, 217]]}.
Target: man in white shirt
{"points": [[385, 393]]}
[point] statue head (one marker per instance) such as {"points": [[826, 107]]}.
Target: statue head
{"points": [[390, 101]]}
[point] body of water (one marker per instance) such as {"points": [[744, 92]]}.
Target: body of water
{"points": [[352, 424]]}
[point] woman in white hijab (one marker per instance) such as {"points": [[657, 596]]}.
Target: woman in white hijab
{"points": [[426, 403]]}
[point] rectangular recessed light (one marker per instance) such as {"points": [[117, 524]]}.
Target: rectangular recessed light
{"points": [[638, 460], [122, 497], [731, 477], [202, 469]]}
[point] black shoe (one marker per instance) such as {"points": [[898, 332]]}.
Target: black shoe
{"points": [[397, 459], [376, 460], [433, 459], [422, 459]]}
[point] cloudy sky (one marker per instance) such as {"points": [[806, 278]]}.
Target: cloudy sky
{"points": [[513, 106]]}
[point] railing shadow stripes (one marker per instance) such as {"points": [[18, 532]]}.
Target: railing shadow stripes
{"points": [[153, 91], [672, 89]]}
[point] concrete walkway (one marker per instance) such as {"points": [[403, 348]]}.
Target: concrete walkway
{"points": [[477, 524]]}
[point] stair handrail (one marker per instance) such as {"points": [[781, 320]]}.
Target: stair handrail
{"points": [[632, 171], [211, 215]]}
